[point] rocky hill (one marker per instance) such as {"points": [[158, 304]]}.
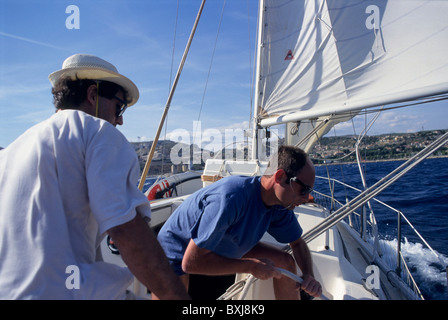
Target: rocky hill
{"points": [[382, 147]]}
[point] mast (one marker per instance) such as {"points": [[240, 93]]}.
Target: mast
{"points": [[255, 125]]}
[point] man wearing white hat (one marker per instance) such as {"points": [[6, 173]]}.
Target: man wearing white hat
{"points": [[67, 182]]}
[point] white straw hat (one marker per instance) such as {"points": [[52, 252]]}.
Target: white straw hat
{"points": [[85, 66]]}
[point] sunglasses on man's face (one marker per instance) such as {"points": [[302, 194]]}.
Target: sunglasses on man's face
{"points": [[121, 108], [306, 189]]}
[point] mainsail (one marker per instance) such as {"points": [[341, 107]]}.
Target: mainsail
{"points": [[329, 57]]}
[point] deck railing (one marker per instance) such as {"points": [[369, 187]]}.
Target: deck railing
{"points": [[363, 222]]}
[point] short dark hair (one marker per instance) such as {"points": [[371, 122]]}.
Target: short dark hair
{"points": [[290, 159], [69, 94]]}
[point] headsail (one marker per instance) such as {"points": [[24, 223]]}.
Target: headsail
{"points": [[324, 57]]}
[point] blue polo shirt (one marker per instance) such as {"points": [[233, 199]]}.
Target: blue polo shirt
{"points": [[228, 218]]}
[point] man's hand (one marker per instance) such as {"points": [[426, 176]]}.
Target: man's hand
{"points": [[311, 286]]}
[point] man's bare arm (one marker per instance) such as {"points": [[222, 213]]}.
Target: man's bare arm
{"points": [[302, 256], [202, 261], [146, 259]]}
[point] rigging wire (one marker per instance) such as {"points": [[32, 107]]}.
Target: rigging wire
{"points": [[171, 79], [252, 76], [170, 97], [209, 71], [212, 58], [251, 67]]}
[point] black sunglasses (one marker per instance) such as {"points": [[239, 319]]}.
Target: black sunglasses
{"points": [[306, 189], [121, 108]]}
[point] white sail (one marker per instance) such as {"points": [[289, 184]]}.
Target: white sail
{"points": [[330, 57]]}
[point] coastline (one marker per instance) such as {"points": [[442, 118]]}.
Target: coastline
{"points": [[335, 162]]}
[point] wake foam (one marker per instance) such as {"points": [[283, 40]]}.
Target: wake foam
{"points": [[427, 267]]}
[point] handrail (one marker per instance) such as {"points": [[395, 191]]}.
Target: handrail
{"points": [[383, 204], [400, 259]]}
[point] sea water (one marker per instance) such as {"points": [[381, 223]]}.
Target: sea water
{"points": [[422, 196]]}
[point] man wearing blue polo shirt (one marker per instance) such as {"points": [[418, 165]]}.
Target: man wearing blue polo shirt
{"points": [[216, 231]]}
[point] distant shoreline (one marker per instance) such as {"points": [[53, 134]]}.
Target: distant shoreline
{"points": [[369, 161]]}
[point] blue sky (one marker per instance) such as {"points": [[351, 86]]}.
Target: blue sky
{"points": [[137, 36]]}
